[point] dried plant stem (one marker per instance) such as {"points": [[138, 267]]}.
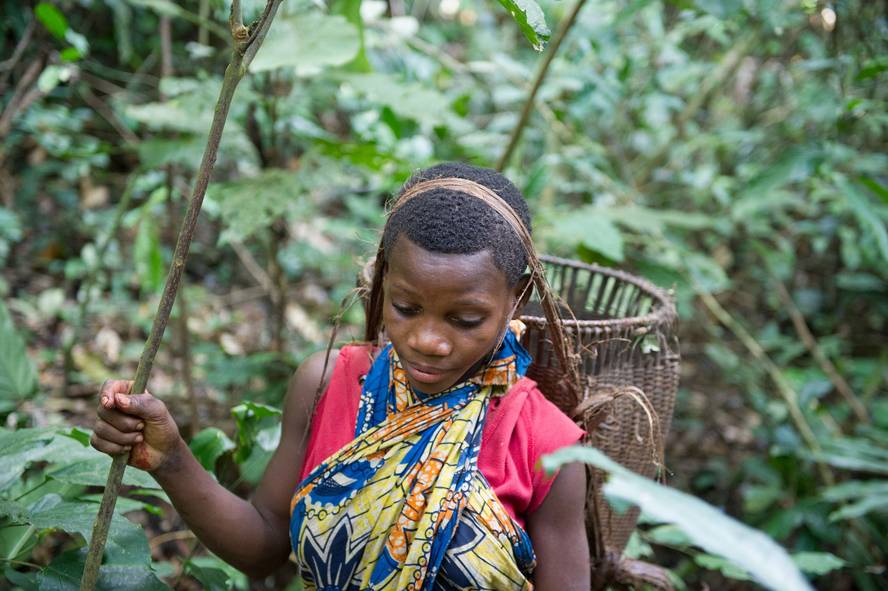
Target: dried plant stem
{"points": [[563, 29], [801, 327], [240, 60], [203, 35], [278, 291], [790, 397]]}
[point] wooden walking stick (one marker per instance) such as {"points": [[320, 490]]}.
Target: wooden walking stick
{"points": [[246, 42]]}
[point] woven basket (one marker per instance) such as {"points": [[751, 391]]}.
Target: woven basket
{"points": [[623, 328]]}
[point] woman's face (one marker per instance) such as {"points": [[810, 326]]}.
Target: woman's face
{"points": [[443, 312]]}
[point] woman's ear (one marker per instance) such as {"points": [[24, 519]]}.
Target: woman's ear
{"points": [[522, 291]]}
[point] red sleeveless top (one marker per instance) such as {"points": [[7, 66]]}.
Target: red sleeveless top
{"points": [[520, 427]]}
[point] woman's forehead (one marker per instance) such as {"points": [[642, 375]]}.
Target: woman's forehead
{"points": [[468, 277]]}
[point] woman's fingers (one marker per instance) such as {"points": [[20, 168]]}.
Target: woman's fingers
{"points": [[120, 420], [112, 387], [109, 433], [108, 447]]}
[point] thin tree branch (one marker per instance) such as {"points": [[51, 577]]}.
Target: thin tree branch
{"points": [[6, 66], [108, 114], [20, 97], [810, 342], [250, 264], [233, 74], [790, 397], [563, 29]]}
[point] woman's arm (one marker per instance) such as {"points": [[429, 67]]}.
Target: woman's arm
{"points": [[558, 532], [252, 536]]}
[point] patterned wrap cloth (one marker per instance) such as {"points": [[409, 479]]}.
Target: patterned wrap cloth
{"points": [[404, 506]]}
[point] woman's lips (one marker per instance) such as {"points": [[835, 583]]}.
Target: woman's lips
{"points": [[424, 375]]}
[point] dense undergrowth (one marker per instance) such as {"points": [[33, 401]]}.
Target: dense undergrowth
{"points": [[733, 151]]}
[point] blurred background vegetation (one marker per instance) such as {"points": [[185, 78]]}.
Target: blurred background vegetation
{"points": [[733, 151]]}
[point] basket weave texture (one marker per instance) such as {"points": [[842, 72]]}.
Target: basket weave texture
{"points": [[623, 328]]}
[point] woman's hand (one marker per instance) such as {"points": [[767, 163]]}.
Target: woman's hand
{"points": [[138, 423]]}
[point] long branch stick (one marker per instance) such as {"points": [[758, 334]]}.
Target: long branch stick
{"points": [[243, 54], [563, 29], [790, 397], [801, 327]]}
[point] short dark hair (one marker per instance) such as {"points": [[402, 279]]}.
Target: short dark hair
{"points": [[452, 222]]}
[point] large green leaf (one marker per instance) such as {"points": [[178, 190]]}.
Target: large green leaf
{"points": [[872, 224], [307, 42], [94, 472], [530, 19], [587, 226], [208, 445], [147, 253], [251, 203], [817, 563], [407, 99], [705, 526], [19, 448], [64, 572], [258, 435], [52, 18], [18, 378]]}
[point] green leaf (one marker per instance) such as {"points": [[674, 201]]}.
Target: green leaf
{"points": [[64, 572], [723, 9], [208, 445], [530, 19], [588, 227], [870, 221], [308, 43], [706, 526], [52, 18], [94, 472], [817, 563], [251, 203], [258, 435], [15, 512], [147, 254], [717, 563], [412, 100], [18, 378], [214, 574], [644, 219], [351, 10], [18, 449], [127, 544], [764, 191]]}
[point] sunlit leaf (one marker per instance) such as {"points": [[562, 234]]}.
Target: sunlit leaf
{"points": [[407, 99], [52, 18], [251, 203], [18, 377], [588, 227], [307, 42], [706, 526], [817, 563], [208, 445], [147, 254], [530, 19]]}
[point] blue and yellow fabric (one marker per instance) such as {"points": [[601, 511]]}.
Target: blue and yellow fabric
{"points": [[404, 506]]}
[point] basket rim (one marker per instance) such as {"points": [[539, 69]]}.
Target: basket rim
{"points": [[662, 313]]}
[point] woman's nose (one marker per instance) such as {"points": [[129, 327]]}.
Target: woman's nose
{"points": [[428, 340]]}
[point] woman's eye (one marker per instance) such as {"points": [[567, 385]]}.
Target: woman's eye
{"points": [[468, 322], [404, 310]]}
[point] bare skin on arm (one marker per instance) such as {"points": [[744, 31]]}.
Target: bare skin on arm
{"points": [[558, 532], [250, 535]]}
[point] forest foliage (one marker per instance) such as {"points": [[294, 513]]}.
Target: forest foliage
{"points": [[732, 151]]}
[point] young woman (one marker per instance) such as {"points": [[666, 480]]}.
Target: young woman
{"points": [[421, 464]]}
